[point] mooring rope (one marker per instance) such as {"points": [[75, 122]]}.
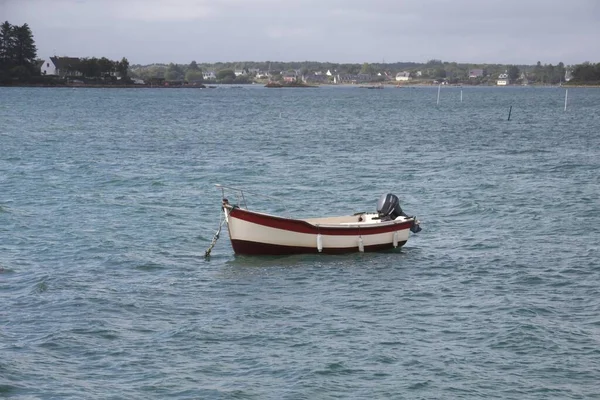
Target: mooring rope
{"points": [[214, 240]]}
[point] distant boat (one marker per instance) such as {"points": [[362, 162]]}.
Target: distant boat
{"points": [[289, 85], [372, 87]]}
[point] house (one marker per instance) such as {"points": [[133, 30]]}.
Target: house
{"points": [[314, 78], [568, 75], [475, 73], [61, 66], [289, 76], [209, 75], [503, 80], [239, 72], [353, 78], [403, 76], [262, 75]]}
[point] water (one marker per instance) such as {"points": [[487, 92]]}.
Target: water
{"points": [[107, 205]]}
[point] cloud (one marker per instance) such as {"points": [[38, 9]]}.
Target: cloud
{"points": [[513, 31], [157, 10], [282, 32]]}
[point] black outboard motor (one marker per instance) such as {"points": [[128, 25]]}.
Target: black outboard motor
{"points": [[388, 207]]}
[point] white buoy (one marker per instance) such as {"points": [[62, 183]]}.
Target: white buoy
{"points": [[461, 95], [395, 241], [566, 97], [439, 88], [361, 246], [319, 243]]}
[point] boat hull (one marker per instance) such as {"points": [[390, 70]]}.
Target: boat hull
{"points": [[255, 233], [256, 248]]}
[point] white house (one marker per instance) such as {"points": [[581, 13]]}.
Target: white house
{"points": [[262, 74], [239, 72], [403, 76], [48, 67], [209, 75], [61, 66], [503, 80]]}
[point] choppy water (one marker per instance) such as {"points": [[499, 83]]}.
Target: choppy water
{"points": [[107, 205]]}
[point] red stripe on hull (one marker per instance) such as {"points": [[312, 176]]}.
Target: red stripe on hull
{"points": [[295, 225], [255, 248]]}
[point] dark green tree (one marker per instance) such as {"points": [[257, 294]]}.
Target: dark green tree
{"points": [[440, 72], [560, 71], [89, 67], [123, 67], [513, 73], [7, 46], [174, 72], [106, 66], [224, 74], [366, 69], [538, 72], [25, 51], [353, 69], [194, 75], [586, 72]]}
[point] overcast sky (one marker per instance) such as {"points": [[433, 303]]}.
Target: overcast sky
{"points": [[341, 31]]}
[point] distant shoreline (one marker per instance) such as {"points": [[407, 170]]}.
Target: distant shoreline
{"points": [[87, 86], [389, 85]]}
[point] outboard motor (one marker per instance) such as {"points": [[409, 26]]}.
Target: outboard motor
{"points": [[388, 207]]}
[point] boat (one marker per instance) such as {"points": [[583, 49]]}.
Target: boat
{"points": [[289, 85], [258, 233], [271, 84]]}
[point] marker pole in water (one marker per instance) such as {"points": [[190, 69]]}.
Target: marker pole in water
{"points": [[509, 112], [566, 97], [461, 95], [439, 88]]}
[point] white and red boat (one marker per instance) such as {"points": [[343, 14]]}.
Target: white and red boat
{"points": [[258, 233]]}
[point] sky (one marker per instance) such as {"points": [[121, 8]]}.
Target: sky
{"points": [[338, 31]]}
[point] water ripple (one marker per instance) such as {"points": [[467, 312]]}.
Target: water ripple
{"points": [[107, 204]]}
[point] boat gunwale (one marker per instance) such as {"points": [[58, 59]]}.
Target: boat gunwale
{"points": [[346, 228]]}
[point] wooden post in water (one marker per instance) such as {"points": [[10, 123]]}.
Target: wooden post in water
{"points": [[509, 112], [439, 88], [566, 97]]}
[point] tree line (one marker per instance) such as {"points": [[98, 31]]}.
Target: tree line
{"points": [[102, 67], [586, 73], [18, 60], [17, 52], [450, 72]]}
